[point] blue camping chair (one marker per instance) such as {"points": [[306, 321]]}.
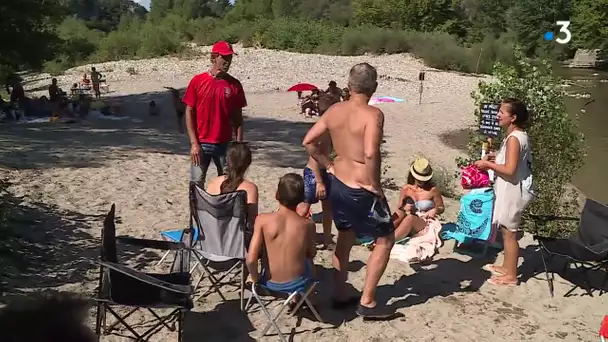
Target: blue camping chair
{"points": [[175, 236]]}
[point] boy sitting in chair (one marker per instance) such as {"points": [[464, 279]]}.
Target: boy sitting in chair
{"points": [[288, 239]]}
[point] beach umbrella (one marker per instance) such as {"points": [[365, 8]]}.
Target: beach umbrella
{"points": [[303, 87]]}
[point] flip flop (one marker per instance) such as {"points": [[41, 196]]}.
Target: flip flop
{"points": [[499, 282], [377, 313], [492, 269]]}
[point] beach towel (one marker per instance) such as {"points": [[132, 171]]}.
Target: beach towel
{"points": [[421, 247], [474, 178], [474, 219], [384, 99]]}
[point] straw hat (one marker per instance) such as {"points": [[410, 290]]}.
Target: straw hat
{"points": [[421, 170]]}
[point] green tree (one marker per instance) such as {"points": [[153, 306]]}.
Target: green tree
{"points": [[558, 149], [283, 8], [26, 31], [530, 19], [484, 18], [590, 24]]}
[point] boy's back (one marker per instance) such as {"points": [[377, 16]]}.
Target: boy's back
{"points": [[289, 240]]}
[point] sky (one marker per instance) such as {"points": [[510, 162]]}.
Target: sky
{"points": [[145, 3]]}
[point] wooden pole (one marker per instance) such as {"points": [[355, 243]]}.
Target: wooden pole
{"points": [[478, 60], [420, 90]]}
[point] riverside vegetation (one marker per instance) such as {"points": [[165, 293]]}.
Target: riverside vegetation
{"points": [[460, 35]]}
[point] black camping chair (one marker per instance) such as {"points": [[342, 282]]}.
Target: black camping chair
{"points": [[120, 285], [586, 250]]}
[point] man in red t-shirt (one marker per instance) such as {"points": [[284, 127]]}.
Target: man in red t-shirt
{"points": [[214, 113]]}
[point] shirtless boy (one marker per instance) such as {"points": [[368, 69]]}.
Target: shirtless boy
{"points": [[358, 203], [316, 180], [288, 239]]}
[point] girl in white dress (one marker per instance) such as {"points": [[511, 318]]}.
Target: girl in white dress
{"points": [[513, 186]]}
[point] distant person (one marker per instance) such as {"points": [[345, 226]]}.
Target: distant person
{"points": [[85, 83], [238, 160], [95, 80], [513, 186], [214, 113], [152, 108], [54, 91], [358, 203], [287, 239], [345, 94], [309, 105], [179, 107], [333, 90], [316, 180], [18, 100], [54, 95]]}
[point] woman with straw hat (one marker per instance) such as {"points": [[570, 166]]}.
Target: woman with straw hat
{"points": [[419, 201]]}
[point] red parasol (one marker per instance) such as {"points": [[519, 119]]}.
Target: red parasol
{"points": [[303, 87]]}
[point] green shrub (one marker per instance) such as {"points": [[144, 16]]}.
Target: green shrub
{"points": [[442, 51], [118, 45], [200, 29], [157, 41], [56, 67], [557, 147]]}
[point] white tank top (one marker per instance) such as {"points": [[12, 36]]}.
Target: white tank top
{"points": [[523, 173]]}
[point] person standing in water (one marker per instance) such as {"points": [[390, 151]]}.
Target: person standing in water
{"points": [[358, 203]]}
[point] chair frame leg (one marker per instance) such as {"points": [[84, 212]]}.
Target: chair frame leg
{"points": [[216, 282], [548, 275], [160, 323], [163, 258], [242, 283], [274, 320], [121, 320], [99, 318]]}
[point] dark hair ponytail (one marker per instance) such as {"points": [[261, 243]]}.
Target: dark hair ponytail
{"points": [[519, 109], [238, 158]]}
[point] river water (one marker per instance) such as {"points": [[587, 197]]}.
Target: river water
{"points": [[593, 122]]}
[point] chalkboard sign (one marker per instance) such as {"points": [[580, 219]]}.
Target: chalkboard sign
{"points": [[488, 124]]}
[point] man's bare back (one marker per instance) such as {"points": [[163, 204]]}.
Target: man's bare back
{"points": [[289, 241], [347, 123], [358, 204]]}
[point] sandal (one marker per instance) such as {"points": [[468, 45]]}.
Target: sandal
{"points": [[378, 313], [499, 281], [493, 269]]}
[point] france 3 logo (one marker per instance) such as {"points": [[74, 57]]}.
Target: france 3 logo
{"points": [[563, 29]]}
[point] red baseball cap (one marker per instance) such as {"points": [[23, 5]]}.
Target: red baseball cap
{"points": [[223, 48]]}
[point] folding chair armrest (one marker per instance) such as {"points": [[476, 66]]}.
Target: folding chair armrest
{"points": [[148, 279], [149, 243]]}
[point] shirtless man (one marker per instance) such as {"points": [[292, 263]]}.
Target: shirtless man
{"points": [[96, 80], [316, 180], [358, 203], [289, 240]]}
